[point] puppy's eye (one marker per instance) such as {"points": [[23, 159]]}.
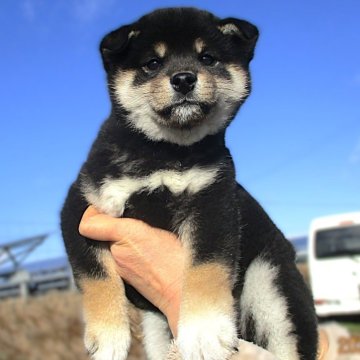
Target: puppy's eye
{"points": [[207, 59], [153, 64]]}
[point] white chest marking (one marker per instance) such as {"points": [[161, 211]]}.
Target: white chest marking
{"points": [[262, 301], [113, 193]]}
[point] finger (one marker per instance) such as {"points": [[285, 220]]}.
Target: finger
{"points": [[102, 227], [89, 212], [97, 226]]}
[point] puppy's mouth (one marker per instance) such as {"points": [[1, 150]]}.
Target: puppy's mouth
{"points": [[185, 113]]}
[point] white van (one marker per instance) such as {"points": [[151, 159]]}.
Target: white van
{"points": [[334, 264]]}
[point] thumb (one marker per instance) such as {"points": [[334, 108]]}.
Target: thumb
{"points": [[97, 226], [102, 227]]}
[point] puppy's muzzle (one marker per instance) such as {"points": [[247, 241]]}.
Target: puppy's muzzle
{"points": [[183, 82]]}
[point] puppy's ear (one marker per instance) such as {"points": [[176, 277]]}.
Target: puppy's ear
{"points": [[242, 31], [115, 43]]}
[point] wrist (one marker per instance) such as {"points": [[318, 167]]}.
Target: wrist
{"points": [[170, 306]]}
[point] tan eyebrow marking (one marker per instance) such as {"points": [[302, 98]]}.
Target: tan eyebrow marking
{"points": [[133, 33], [199, 45], [229, 29], [160, 49]]}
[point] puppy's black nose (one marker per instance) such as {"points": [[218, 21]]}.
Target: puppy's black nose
{"points": [[183, 82]]}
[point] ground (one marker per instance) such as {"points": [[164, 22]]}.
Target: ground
{"points": [[48, 327]]}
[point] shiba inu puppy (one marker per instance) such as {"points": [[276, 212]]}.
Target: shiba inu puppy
{"points": [[176, 79]]}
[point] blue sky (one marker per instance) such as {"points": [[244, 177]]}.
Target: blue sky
{"points": [[296, 142]]}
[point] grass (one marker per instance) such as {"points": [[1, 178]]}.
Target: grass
{"points": [[353, 327], [48, 327]]}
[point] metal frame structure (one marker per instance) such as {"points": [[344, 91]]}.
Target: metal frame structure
{"points": [[16, 279], [14, 253]]}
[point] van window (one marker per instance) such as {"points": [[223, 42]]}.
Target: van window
{"points": [[337, 242]]}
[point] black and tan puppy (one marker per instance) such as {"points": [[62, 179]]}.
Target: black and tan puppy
{"points": [[176, 79]]}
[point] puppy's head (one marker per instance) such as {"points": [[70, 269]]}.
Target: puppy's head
{"points": [[180, 74]]}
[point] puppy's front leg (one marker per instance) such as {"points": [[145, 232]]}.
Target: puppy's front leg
{"points": [[107, 329], [207, 328]]}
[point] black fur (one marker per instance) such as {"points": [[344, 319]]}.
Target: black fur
{"points": [[231, 227]]}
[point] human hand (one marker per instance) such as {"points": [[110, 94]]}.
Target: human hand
{"points": [[153, 260], [150, 259]]}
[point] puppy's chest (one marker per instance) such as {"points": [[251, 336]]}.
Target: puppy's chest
{"points": [[154, 197]]}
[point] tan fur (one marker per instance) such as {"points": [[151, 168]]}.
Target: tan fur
{"points": [[104, 301], [125, 91], [199, 45], [235, 88], [229, 29], [133, 33], [160, 49], [206, 87], [162, 92], [144, 102], [158, 93], [207, 321], [207, 287]]}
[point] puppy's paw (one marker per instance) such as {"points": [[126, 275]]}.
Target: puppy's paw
{"points": [[107, 343], [209, 337]]}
